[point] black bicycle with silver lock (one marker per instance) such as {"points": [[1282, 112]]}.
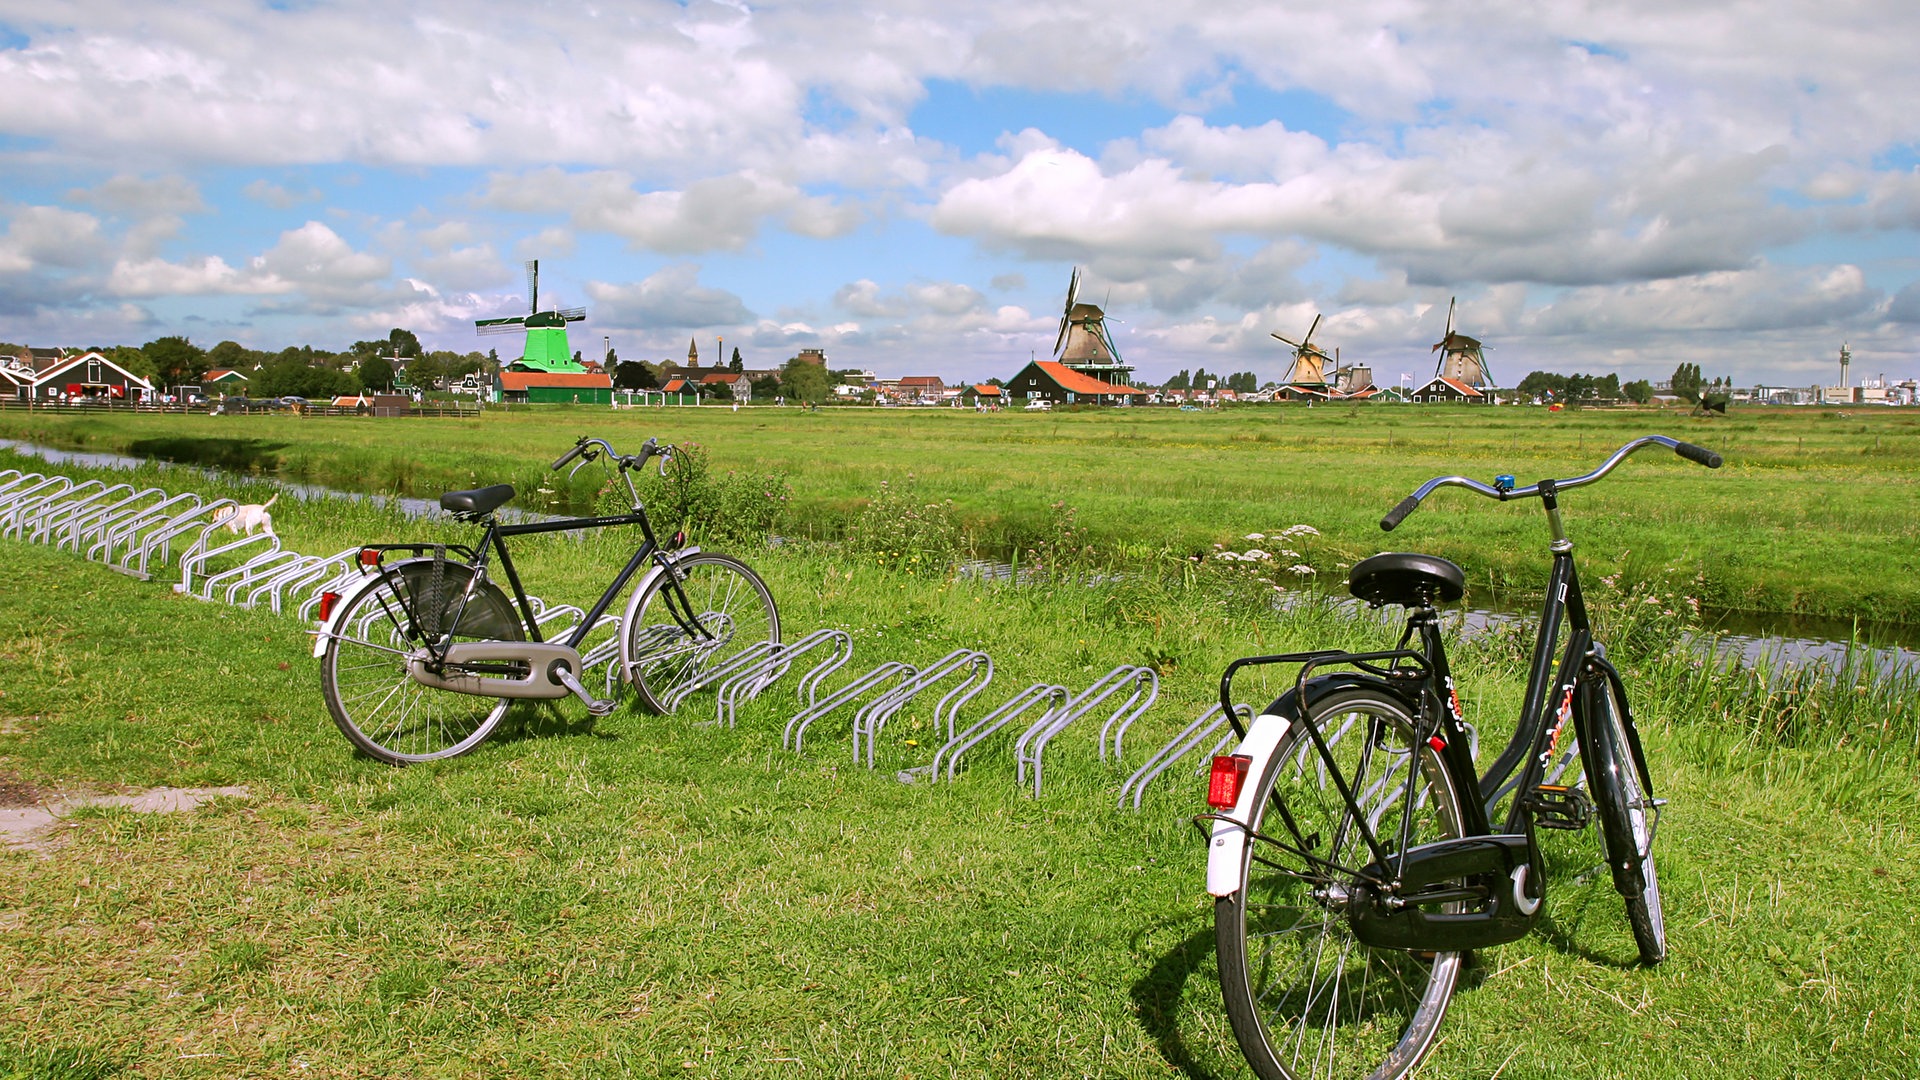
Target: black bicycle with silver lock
{"points": [[1356, 852], [423, 658]]}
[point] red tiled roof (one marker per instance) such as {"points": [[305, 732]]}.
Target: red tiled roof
{"points": [[1456, 386], [220, 373], [674, 386], [521, 380], [723, 378], [1070, 379], [986, 390], [922, 380]]}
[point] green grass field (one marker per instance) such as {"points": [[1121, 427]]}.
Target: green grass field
{"points": [[644, 896], [1814, 512]]}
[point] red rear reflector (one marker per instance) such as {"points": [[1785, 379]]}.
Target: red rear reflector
{"points": [[1223, 784], [680, 539], [1437, 743], [328, 601], [369, 557]]}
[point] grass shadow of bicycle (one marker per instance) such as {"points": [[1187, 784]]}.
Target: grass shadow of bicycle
{"points": [[237, 455], [1157, 995]]}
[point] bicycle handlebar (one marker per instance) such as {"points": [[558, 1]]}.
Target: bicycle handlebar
{"points": [[1699, 455], [587, 446]]}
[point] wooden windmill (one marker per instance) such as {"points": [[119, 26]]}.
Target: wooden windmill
{"points": [[1084, 343], [546, 347], [1310, 361], [1462, 359]]}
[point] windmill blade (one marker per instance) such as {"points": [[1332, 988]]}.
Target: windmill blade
{"points": [[500, 326], [533, 285], [1065, 322], [1288, 340], [1073, 292], [572, 314], [1310, 330], [1449, 333]]}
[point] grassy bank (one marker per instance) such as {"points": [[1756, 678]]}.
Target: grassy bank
{"points": [[1813, 513], [644, 896]]}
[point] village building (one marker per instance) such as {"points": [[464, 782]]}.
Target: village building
{"points": [[1441, 389], [728, 385], [553, 387], [223, 381], [89, 376], [921, 390], [1053, 381]]}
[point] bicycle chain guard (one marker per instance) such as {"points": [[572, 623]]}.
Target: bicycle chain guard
{"points": [[1493, 877]]}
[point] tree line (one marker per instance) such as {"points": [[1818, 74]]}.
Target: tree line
{"points": [[1687, 382]]}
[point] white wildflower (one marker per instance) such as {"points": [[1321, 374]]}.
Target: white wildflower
{"points": [[1256, 536], [1303, 568]]}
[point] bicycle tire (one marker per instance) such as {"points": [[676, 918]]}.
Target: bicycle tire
{"points": [[375, 703], [1351, 1010], [1624, 795], [727, 597]]}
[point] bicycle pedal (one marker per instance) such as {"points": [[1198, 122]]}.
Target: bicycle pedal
{"points": [[1557, 806]]}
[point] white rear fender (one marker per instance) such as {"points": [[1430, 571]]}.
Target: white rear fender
{"points": [[1227, 847], [633, 603]]}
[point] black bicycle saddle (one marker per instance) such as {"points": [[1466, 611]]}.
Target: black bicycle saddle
{"points": [[1398, 577], [476, 503]]}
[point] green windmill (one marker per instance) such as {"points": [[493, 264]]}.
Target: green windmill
{"points": [[546, 349]]}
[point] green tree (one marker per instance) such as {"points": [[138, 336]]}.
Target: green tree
{"points": [[403, 343], [132, 361], [1686, 380], [233, 356], [736, 365], [426, 372], [1178, 382], [1639, 391], [803, 380], [375, 373], [634, 375], [176, 360], [1607, 386], [1542, 383], [766, 387]]}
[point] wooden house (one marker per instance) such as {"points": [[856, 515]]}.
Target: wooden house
{"points": [[89, 376], [554, 387], [1051, 380], [1447, 390]]}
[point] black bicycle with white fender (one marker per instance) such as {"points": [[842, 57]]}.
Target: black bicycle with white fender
{"points": [[1356, 852], [423, 657]]}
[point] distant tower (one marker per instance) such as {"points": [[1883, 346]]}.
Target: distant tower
{"points": [[1845, 359], [693, 353]]}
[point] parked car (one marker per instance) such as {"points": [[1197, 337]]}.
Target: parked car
{"points": [[1039, 405]]}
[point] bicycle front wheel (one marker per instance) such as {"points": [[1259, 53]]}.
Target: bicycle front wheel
{"points": [[1306, 998], [1627, 814], [678, 633], [363, 671]]}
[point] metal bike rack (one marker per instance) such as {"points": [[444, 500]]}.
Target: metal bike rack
{"points": [[796, 729], [229, 582], [16, 509], [1191, 736], [202, 553], [957, 746], [1032, 744], [159, 536], [85, 529], [130, 532], [49, 525], [314, 574], [872, 717], [749, 684], [28, 517]]}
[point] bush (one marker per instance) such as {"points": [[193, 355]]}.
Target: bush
{"points": [[899, 532]]}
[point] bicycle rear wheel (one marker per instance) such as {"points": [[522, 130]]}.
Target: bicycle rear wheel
{"points": [[363, 671], [728, 609], [1624, 797], [1305, 997]]}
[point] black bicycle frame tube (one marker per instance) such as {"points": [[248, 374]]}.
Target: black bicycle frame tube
{"points": [[1456, 756], [496, 534]]}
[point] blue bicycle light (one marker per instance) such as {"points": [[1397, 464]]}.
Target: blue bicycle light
{"points": [[1503, 483]]}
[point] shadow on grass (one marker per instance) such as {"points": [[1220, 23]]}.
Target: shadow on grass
{"points": [[239, 455], [1157, 994]]}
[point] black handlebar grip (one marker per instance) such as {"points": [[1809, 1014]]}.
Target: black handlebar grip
{"points": [[1699, 455], [578, 448], [1398, 514]]}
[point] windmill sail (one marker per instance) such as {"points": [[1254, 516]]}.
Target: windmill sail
{"points": [[1462, 359]]}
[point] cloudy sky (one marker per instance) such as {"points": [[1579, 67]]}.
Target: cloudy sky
{"points": [[908, 185]]}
